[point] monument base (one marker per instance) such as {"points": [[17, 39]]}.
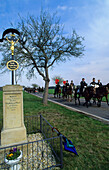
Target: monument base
{"points": [[13, 136], [14, 130]]}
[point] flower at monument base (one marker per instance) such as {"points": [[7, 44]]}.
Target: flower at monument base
{"points": [[13, 154]]}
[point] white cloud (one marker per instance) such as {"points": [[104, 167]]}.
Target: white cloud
{"points": [[62, 7]]}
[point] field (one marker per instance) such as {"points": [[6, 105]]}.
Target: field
{"points": [[90, 137]]}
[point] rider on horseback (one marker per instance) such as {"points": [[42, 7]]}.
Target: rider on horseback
{"points": [[99, 83], [66, 85], [83, 84], [57, 90], [72, 85], [93, 83]]}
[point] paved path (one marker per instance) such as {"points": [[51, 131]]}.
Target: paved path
{"points": [[101, 113]]}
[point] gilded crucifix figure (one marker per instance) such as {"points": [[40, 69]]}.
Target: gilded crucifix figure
{"points": [[12, 44]]}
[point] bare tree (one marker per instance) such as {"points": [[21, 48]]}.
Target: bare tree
{"points": [[43, 43]]}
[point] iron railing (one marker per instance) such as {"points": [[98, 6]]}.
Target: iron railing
{"points": [[37, 154]]}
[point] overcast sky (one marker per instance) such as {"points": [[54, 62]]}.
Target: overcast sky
{"points": [[90, 19]]}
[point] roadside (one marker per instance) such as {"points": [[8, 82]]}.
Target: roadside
{"points": [[99, 113]]}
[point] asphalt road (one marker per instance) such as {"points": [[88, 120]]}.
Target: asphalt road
{"points": [[94, 110]]}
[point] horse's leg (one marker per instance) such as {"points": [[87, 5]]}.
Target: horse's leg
{"points": [[90, 103], [68, 98], [66, 95], [94, 100], [59, 95], [99, 101], [54, 94], [75, 96], [63, 95], [79, 99], [71, 97], [86, 102]]}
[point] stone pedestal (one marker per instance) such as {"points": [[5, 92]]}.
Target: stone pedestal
{"points": [[14, 130]]}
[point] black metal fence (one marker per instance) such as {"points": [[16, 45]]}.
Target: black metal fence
{"points": [[45, 153]]}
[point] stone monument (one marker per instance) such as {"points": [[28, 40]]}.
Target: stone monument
{"points": [[13, 131]]}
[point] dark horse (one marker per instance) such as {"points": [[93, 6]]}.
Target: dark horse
{"points": [[101, 92], [78, 93], [57, 91], [96, 93], [67, 92], [88, 94]]}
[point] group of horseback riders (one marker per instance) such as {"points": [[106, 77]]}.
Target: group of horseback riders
{"points": [[83, 85], [94, 90], [66, 87]]}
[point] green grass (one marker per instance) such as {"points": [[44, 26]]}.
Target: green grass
{"points": [[51, 91], [90, 137]]}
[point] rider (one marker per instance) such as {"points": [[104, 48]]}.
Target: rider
{"points": [[66, 87], [67, 84], [82, 85], [93, 83], [72, 84], [99, 83], [57, 89]]}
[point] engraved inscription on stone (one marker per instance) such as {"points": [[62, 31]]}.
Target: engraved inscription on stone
{"points": [[13, 109]]}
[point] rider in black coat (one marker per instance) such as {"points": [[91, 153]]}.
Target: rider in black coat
{"points": [[66, 85], [82, 85], [93, 82], [99, 83]]}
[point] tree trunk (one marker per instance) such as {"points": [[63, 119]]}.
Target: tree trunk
{"points": [[45, 96]]}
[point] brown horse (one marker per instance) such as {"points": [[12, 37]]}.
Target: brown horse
{"points": [[88, 94], [69, 93], [101, 92], [57, 92], [64, 92], [96, 93]]}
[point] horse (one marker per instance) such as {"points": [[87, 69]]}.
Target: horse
{"points": [[96, 93], [69, 92], [57, 92], [64, 92], [77, 95], [88, 94], [101, 92], [78, 92]]}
